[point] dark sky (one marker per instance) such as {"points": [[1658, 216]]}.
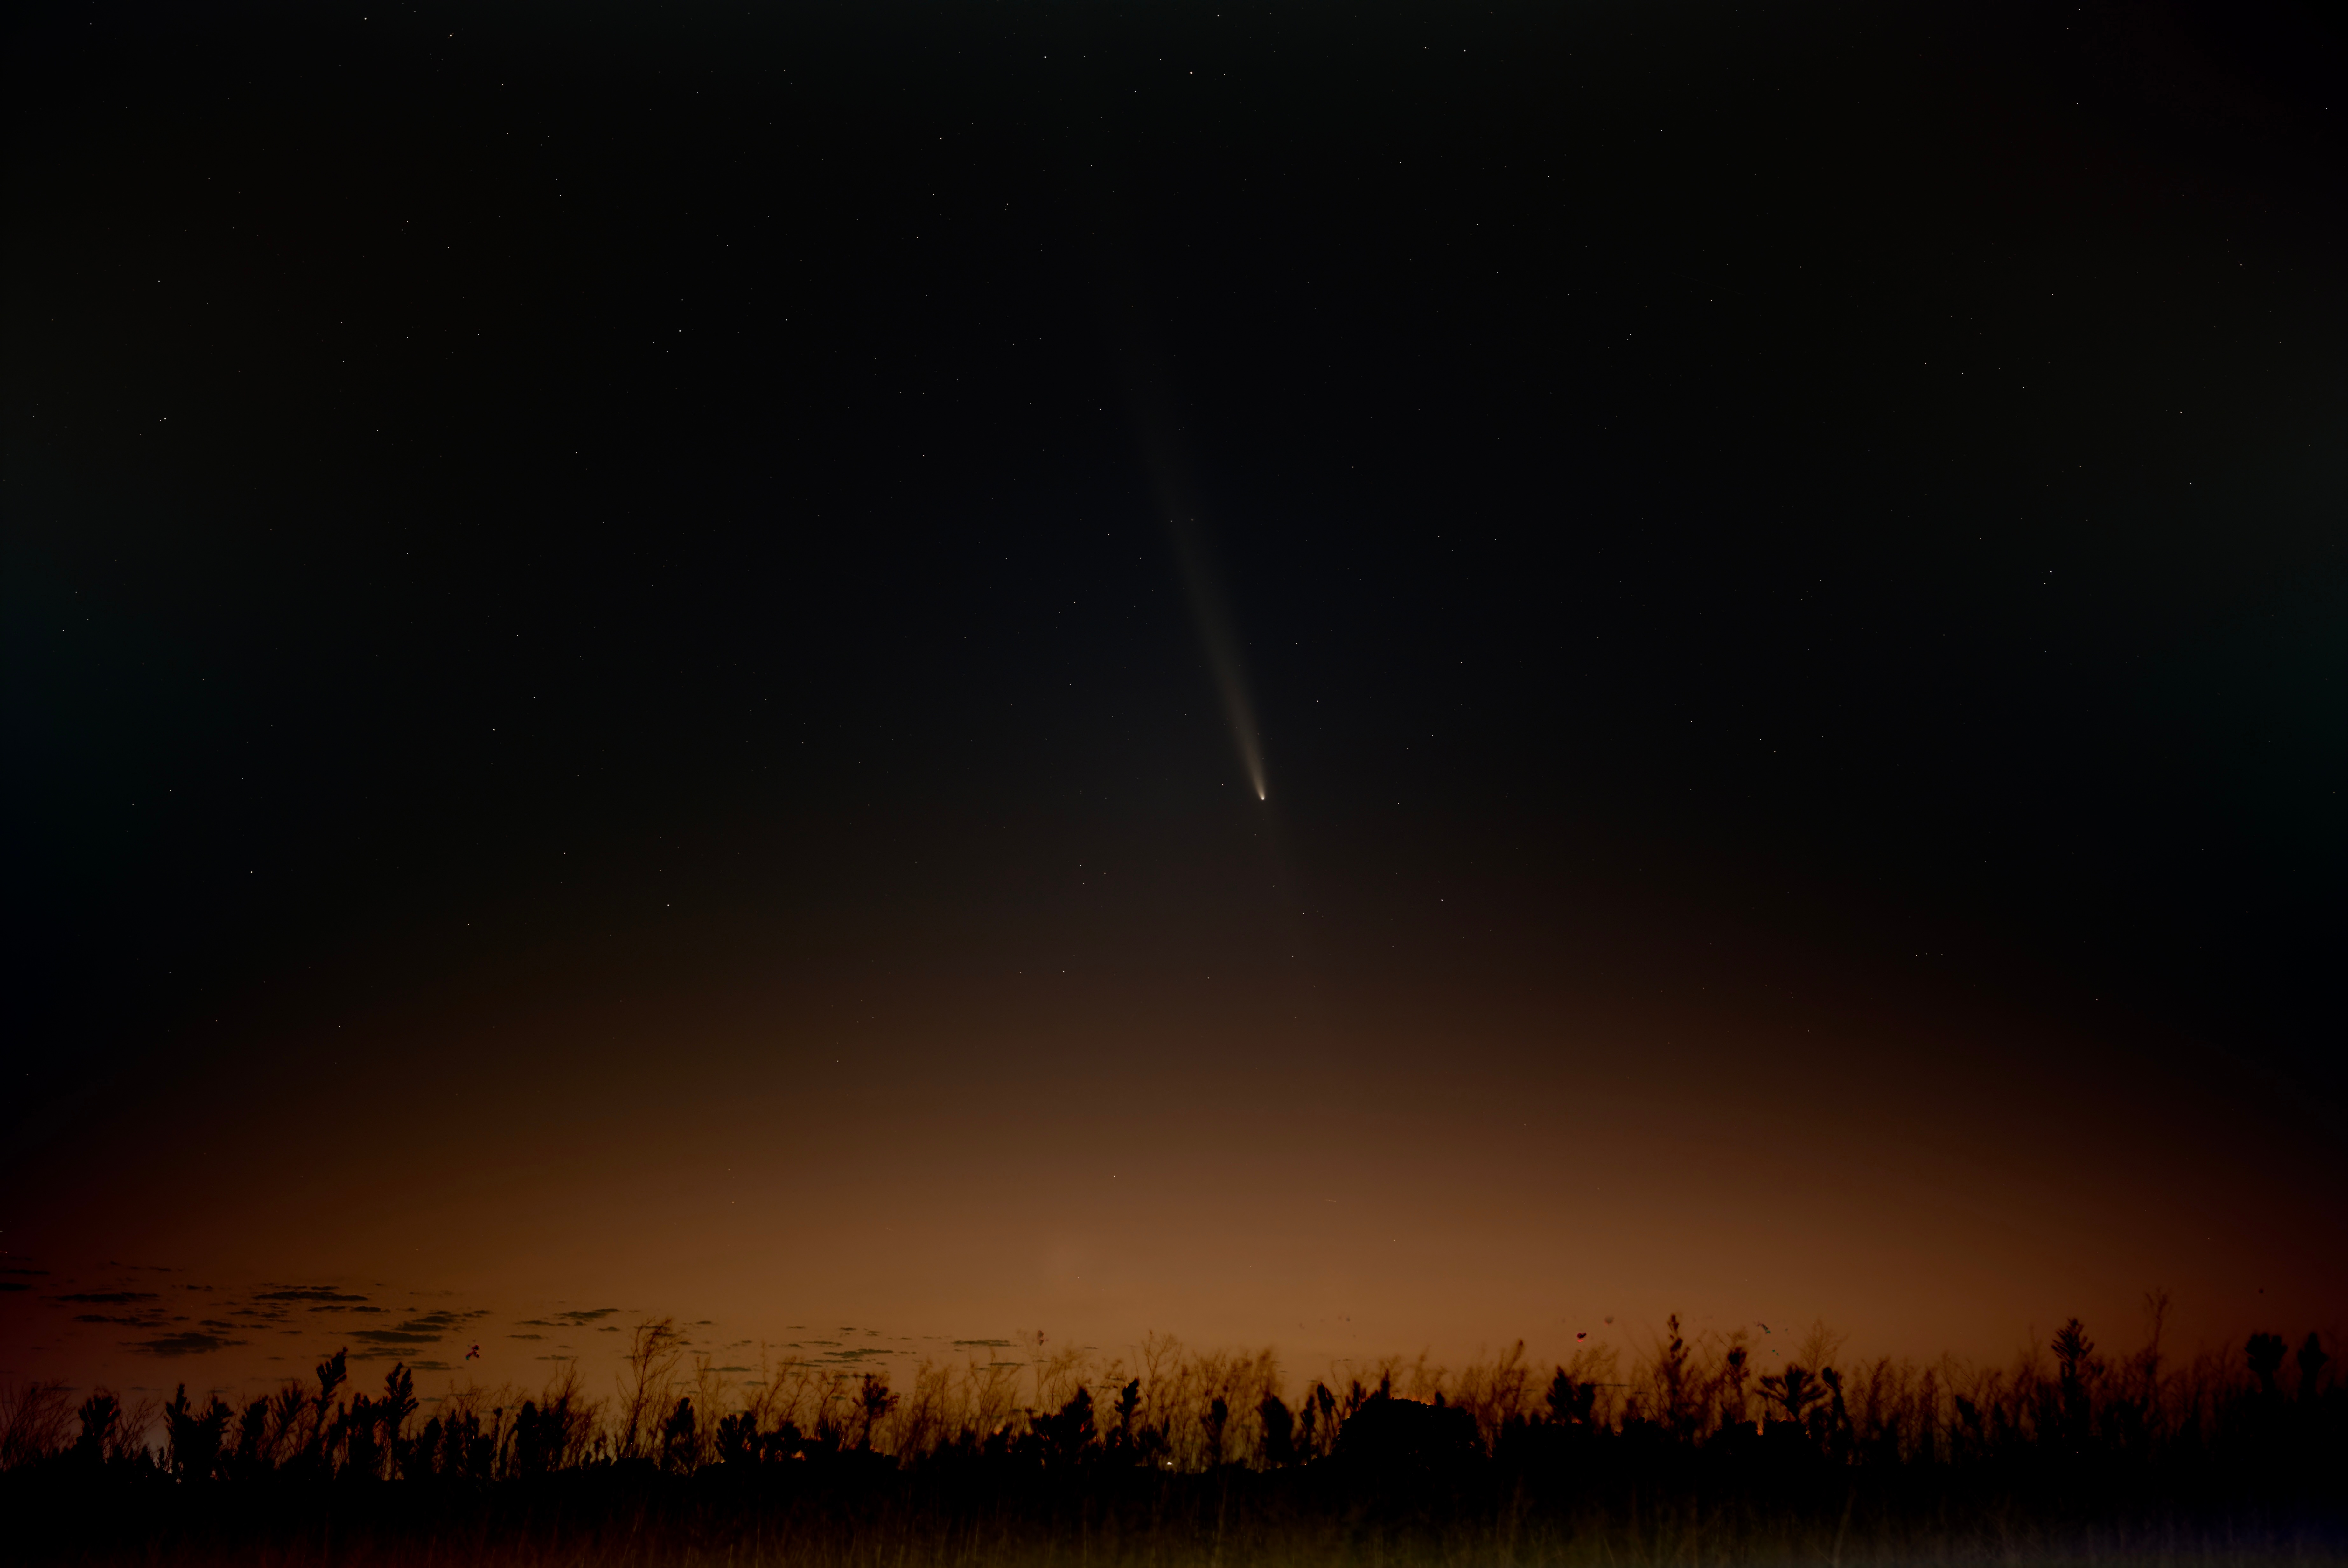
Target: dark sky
{"points": [[623, 628]]}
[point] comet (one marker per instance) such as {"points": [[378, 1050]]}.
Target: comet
{"points": [[1167, 460], [1219, 639]]}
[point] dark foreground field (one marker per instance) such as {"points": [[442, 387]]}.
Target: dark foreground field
{"points": [[1691, 1458]]}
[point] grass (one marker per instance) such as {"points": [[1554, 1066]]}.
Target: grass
{"points": [[1175, 1456]]}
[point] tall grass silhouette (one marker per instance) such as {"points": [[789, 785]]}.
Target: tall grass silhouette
{"points": [[1175, 1454]]}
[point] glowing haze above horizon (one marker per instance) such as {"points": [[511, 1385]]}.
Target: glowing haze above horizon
{"points": [[888, 683]]}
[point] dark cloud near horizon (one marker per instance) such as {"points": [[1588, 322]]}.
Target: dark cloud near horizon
{"points": [[108, 1297], [193, 1343], [424, 1328], [448, 1320]]}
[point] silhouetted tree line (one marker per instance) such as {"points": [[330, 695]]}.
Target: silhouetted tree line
{"points": [[2061, 1440]]}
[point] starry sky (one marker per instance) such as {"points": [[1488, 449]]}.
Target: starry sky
{"points": [[1363, 677]]}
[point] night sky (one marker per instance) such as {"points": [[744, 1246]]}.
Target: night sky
{"points": [[641, 643]]}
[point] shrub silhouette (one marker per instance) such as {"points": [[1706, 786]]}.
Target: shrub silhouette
{"points": [[2311, 1361], [101, 1414], [536, 1447], [193, 1438], [1218, 1422], [2265, 1353], [1129, 1401], [677, 1439], [1403, 1439], [1278, 1432], [653, 1350], [1067, 1434], [1794, 1391], [875, 1400], [1570, 1403]]}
